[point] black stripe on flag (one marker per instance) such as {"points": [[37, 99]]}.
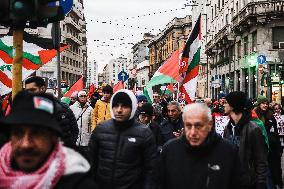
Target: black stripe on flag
{"points": [[193, 35]]}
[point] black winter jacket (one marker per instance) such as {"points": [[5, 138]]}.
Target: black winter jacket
{"points": [[253, 151], [68, 124], [168, 127], [125, 156], [76, 181], [213, 165]]}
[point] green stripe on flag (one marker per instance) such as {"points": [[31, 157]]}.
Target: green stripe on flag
{"points": [[32, 58], [5, 48], [9, 50], [195, 61]]}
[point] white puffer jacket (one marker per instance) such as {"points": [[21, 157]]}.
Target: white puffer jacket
{"points": [[84, 121]]}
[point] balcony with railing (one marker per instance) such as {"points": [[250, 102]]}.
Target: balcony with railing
{"points": [[258, 12], [218, 39], [70, 21], [74, 39]]}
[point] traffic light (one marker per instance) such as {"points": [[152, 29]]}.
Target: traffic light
{"points": [[4, 12], [48, 14], [22, 11], [29, 13], [231, 83], [282, 76]]}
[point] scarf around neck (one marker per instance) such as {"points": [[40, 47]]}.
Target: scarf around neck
{"points": [[46, 177]]}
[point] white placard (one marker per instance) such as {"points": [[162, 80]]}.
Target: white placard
{"points": [[220, 123], [280, 124]]}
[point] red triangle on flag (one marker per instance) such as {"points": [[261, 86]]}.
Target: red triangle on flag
{"points": [[78, 86], [47, 55], [118, 86]]}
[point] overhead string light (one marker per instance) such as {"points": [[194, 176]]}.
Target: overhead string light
{"points": [[139, 16]]}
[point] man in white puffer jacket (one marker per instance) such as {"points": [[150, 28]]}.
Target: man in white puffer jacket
{"points": [[83, 113]]}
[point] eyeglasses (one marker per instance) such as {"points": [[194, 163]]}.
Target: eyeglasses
{"points": [[83, 96]]}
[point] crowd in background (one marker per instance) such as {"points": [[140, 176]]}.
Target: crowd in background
{"points": [[119, 140]]}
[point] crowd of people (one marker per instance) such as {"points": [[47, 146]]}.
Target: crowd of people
{"points": [[123, 141]]}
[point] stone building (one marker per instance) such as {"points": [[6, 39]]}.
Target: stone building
{"points": [[172, 38], [238, 33], [140, 63], [113, 68], [73, 33], [92, 73]]}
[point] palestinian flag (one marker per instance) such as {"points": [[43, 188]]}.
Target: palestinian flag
{"points": [[167, 73], [32, 61], [78, 86], [189, 63]]}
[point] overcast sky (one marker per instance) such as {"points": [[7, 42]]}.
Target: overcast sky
{"points": [[115, 24]]}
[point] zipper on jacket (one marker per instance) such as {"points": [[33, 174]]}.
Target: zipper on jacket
{"points": [[114, 160], [105, 112]]}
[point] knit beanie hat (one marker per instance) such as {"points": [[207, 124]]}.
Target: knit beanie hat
{"points": [[237, 100], [142, 98], [122, 98], [262, 99], [146, 109], [82, 93]]}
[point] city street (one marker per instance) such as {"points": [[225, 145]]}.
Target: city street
{"points": [[93, 94]]}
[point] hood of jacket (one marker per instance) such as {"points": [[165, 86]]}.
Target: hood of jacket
{"points": [[133, 102], [75, 162]]}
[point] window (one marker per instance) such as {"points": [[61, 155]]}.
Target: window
{"points": [[227, 19], [239, 50], [215, 10], [254, 41], [219, 6], [237, 7], [245, 45], [278, 37]]}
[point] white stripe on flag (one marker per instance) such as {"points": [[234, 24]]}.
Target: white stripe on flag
{"points": [[190, 87]]}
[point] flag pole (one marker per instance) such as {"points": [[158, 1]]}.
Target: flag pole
{"points": [[178, 92]]}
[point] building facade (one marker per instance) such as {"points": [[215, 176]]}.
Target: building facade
{"points": [[142, 76], [92, 73], [172, 38], [113, 68], [240, 36], [74, 59], [139, 69]]}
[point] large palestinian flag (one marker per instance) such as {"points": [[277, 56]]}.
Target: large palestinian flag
{"points": [[167, 73], [32, 61], [189, 63]]}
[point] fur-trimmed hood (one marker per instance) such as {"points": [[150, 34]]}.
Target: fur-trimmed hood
{"points": [[132, 98]]}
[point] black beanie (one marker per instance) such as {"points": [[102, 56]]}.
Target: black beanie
{"points": [[237, 100], [122, 98], [146, 109]]}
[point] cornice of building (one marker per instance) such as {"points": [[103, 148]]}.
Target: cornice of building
{"points": [[176, 23]]}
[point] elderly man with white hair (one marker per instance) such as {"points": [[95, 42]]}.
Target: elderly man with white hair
{"points": [[200, 158]]}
